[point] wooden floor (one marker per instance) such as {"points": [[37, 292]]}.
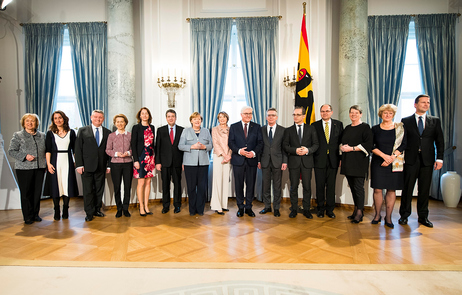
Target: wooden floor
{"points": [[212, 238]]}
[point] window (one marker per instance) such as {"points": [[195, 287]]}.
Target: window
{"points": [[65, 99], [412, 81], [234, 97]]}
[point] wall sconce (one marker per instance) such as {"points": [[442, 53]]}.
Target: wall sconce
{"points": [[290, 84], [171, 88]]}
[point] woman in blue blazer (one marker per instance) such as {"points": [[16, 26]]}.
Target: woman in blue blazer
{"points": [[196, 142]]}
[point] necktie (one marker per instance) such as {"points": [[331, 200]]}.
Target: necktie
{"points": [[300, 133], [245, 130], [97, 136], [171, 135], [326, 133], [420, 125], [271, 135]]}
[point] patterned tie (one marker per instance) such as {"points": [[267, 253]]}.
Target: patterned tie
{"points": [[421, 127], [271, 135], [245, 130], [300, 133], [97, 136], [326, 133], [171, 135]]}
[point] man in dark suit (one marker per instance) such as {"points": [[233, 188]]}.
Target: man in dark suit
{"points": [[423, 134], [272, 162], [92, 162], [245, 140], [169, 161], [300, 143], [326, 160]]}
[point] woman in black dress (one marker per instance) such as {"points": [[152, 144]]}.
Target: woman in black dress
{"points": [[142, 143], [356, 146], [61, 181], [387, 162]]}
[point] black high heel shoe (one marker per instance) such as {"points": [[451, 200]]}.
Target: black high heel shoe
{"points": [[142, 214], [219, 213], [390, 225], [358, 217], [352, 216], [376, 221]]}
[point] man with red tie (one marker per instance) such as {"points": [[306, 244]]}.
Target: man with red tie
{"points": [[169, 161]]}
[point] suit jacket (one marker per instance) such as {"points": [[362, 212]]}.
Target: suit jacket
{"points": [[432, 136], [273, 151], [87, 152], [193, 157], [291, 143], [321, 157], [167, 153], [137, 141], [237, 140]]}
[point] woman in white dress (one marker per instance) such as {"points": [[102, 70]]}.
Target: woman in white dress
{"points": [[61, 181]]}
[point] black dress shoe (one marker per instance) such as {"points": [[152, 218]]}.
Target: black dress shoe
{"points": [[165, 210], [249, 212], [390, 225], [88, 218], [177, 210], [99, 214], [330, 214], [127, 214], [308, 214], [143, 214], [377, 221], [265, 210], [320, 214], [240, 213], [425, 222], [118, 214], [277, 213], [37, 218], [225, 210], [28, 221], [219, 213], [402, 221], [293, 214]]}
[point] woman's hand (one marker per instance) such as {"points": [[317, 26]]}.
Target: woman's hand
{"points": [[30, 158], [51, 169], [136, 165]]}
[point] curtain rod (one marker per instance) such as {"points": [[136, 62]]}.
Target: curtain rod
{"points": [[189, 19], [414, 15], [22, 24]]}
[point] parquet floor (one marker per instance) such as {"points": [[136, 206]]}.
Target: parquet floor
{"points": [[212, 238]]}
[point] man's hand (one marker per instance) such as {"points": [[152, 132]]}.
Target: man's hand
{"points": [[438, 165], [284, 167], [108, 170], [80, 170], [158, 167], [259, 165]]}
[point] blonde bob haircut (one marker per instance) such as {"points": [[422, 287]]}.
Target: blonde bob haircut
{"points": [[195, 115], [388, 107], [23, 119], [120, 116], [224, 114]]}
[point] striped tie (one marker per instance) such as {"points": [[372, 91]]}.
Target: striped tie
{"points": [[326, 133]]}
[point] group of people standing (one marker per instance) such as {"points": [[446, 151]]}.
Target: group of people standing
{"points": [[401, 153]]}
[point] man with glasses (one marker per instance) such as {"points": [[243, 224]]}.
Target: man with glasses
{"points": [[245, 140], [272, 162], [326, 160], [300, 143]]}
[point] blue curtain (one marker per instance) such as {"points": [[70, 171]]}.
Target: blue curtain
{"points": [[43, 50], [386, 55], [258, 44], [210, 41], [89, 61], [436, 44]]}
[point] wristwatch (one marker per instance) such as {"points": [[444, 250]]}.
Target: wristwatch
{"points": [[353, 148]]}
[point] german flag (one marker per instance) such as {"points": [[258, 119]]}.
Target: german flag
{"points": [[304, 88]]}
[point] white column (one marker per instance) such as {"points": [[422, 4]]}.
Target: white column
{"points": [[353, 65], [121, 60]]}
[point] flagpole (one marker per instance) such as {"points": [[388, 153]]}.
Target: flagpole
{"points": [[304, 8]]}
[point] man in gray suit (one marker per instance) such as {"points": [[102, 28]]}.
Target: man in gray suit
{"points": [[273, 161]]}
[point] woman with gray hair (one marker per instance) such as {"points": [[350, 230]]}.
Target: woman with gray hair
{"points": [[27, 147], [387, 162]]}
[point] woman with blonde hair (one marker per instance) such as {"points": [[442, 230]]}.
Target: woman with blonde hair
{"points": [[387, 162], [27, 147]]}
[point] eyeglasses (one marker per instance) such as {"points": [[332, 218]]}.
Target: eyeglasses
{"points": [[247, 114], [297, 115]]}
